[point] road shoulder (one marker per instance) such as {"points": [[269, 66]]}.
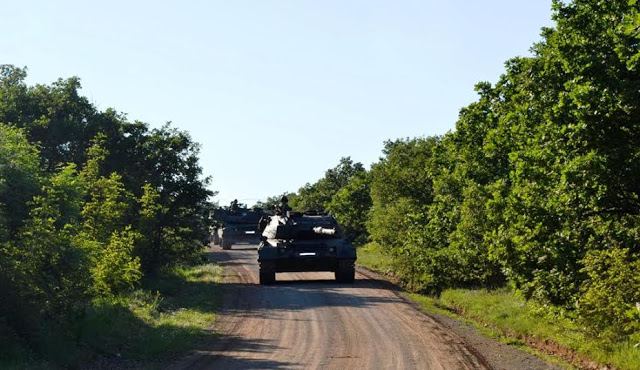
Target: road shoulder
{"points": [[495, 354]]}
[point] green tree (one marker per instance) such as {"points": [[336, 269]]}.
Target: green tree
{"points": [[104, 234], [170, 165], [351, 204], [400, 185], [53, 272], [20, 178], [317, 196], [150, 226], [54, 116], [610, 303], [64, 124], [271, 202]]}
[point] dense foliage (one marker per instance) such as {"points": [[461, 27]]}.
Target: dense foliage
{"points": [[538, 186], [318, 195], [89, 203], [343, 191]]}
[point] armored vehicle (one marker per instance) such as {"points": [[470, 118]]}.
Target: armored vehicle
{"points": [[235, 225], [296, 242]]}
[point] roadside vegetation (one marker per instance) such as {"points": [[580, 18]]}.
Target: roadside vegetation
{"points": [[504, 314], [535, 193], [93, 208], [161, 319]]}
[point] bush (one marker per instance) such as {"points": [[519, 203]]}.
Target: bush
{"points": [[610, 302], [115, 269]]}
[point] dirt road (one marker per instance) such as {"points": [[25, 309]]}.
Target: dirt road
{"points": [[307, 321]]}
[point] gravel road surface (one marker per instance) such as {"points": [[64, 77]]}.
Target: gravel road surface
{"points": [[308, 321]]}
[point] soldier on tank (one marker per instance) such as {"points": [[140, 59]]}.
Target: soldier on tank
{"points": [[283, 207], [234, 205]]}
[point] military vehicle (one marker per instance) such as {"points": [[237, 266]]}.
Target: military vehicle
{"points": [[236, 225], [297, 242]]}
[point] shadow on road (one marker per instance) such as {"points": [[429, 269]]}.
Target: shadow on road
{"points": [[270, 301], [293, 295], [230, 362], [218, 353]]}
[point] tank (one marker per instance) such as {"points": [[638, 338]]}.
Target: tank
{"points": [[236, 225], [298, 242]]}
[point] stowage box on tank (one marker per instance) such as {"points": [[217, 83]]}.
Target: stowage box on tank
{"points": [[298, 242]]}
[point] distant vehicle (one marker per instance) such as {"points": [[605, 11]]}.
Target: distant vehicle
{"points": [[236, 224], [297, 242]]}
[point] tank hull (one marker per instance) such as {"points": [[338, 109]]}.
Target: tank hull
{"points": [[248, 236], [239, 226], [306, 263], [338, 259]]}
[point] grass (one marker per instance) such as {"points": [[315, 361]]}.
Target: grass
{"points": [[516, 318], [502, 314], [170, 314], [371, 257]]}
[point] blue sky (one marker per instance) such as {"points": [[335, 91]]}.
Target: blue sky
{"points": [[276, 91]]}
